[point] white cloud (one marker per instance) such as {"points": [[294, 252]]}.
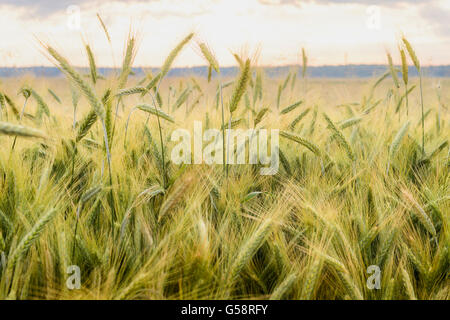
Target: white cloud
{"points": [[280, 30]]}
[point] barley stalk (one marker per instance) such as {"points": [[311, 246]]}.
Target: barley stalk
{"points": [[28, 240]]}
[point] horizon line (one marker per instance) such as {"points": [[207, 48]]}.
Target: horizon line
{"points": [[229, 66]]}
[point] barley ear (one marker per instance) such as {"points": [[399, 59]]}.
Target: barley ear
{"points": [[21, 131], [284, 287], [173, 54], [28, 240], [241, 86], [412, 53]]}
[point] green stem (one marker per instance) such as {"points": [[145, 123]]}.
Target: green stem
{"points": [[225, 167], [162, 142], [406, 100], [111, 194], [423, 119]]}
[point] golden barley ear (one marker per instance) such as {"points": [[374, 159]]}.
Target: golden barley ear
{"points": [[92, 65], [174, 53], [411, 52], [393, 71], [87, 90], [128, 59], [404, 66], [207, 54], [305, 62]]}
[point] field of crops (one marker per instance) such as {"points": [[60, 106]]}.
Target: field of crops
{"points": [[92, 205]]}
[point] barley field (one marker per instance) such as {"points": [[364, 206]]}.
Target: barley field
{"points": [[87, 183]]}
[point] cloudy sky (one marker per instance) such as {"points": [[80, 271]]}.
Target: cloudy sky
{"points": [[332, 31]]}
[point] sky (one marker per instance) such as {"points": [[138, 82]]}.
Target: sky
{"points": [[333, 32]]}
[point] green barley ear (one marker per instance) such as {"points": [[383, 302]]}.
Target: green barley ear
{"points": [[92, 65], [79, 81], [409, 288], [393, 71], [26, 92], [173, 54], [248, 250], [404, 67], [127, 61], [207, 54], [21, 131], [157, 112], [280, 91], [340, 137], [258, 87], [260, 115], [209, 73], [420, 213], [107, 102], [54, 95], [182, 98], [311, 280], [286, 81], [30, 238], [350, 122], [291, 107], [285, 163], [299, 118], [152, 84], [241, 86], [305, 62], [3, 106], [12, 105], [104, 27], [43, 107], [86, 124], [412, 53], [131, 91], [307, 144], [239, 61], [393, 149], [284, 287]]}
